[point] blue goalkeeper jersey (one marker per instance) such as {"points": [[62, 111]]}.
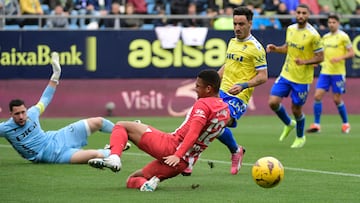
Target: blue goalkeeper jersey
{"points": [[30, 139]]}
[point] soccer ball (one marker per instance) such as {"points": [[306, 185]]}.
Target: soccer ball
{"points": [[267, 172]]}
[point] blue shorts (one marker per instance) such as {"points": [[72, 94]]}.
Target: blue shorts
{"points": [[299, 92], [336, 82], [64, 143], [236, 106]]}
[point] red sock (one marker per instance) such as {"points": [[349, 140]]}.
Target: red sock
{"points": [[118, 139], [135, 182]]}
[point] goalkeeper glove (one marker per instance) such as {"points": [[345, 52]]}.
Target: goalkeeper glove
{"points": [[56, 67]]}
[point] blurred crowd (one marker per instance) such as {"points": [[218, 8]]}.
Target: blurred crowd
{"points": [[214, 14]]}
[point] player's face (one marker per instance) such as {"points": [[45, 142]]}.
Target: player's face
{"points": [[241, 26], [302, 16], [19, 115], [201, 88], [333, 24]]}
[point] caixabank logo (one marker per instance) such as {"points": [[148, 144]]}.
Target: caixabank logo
{"points": [[41, 56]]}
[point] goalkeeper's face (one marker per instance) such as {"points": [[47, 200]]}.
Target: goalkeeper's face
{"points": [[19, 114]]}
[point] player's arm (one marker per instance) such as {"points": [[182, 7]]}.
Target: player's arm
{"points": [[277, 49], [316, 59], [349, 54], [49, 91], [260, 78], [188, 142], [221, 71]]}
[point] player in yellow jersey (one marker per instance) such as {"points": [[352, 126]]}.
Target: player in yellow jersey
{"points": [[337, 48], [303, 50], [245, 67]]}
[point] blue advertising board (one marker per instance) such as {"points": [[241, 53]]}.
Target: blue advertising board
{"points": [[127, 54]]}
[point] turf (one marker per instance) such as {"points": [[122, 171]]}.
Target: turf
{"points": [[326, 169]]}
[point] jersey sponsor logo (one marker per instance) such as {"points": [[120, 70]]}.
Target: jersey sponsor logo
{"points": [[26, 132]]}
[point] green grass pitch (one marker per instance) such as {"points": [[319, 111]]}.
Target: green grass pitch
{"points": [[326, 169]]}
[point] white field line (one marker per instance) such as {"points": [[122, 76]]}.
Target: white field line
{"points": [[248, 164]]}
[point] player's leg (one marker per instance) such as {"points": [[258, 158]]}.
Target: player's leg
{"points": [[121, 132], [83, 156], [322, 86], [300, 126], [279, 90], [298, 96], [100, 124], [237, 108], [237, 151], [338, 87], [317, 109]]}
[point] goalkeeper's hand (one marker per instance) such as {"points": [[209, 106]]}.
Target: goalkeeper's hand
{"points": [[56, 67]]}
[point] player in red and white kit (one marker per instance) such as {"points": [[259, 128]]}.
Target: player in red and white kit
{"points": [[207, 118]]}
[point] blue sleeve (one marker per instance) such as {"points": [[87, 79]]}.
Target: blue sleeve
{"points": [[45, 98]]}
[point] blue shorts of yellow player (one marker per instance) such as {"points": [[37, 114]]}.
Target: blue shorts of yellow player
{"points": [[283, 87], [236, 106], [336, 82]]}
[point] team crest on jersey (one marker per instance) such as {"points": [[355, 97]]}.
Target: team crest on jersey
{"points": [[199, 112]]}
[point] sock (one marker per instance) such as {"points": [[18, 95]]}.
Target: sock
{"points": [[281, 113], [317, 111], [342, 111], [300, 125], [118, 140], [104, 152], [107, 126], [227, 138], [135, 182]]}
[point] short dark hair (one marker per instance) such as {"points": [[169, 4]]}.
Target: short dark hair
{"points": [[243, 10], [334, 16], [210, 77], [304, 6], [15, 102]]}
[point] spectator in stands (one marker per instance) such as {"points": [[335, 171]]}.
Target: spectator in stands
{"points": [[291, 5], [67, 5], [192, 22], [355, 22], [111, 22], [130, 22], [59, 21], [10, 8], [201, 6], [233, 3], [31, 7], [139, 6], [324, 10], [211, 13], [225, 22], [256, 3], [282, 10], [259, 23], [271, 6], [178, 7], [87, 7], [313, 5], [163, 21]]}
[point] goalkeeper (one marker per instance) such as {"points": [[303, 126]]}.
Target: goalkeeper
{"points": [[24, 133]]}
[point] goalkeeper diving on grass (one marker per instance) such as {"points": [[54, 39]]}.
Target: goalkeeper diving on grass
{"points": [[63, 146]]}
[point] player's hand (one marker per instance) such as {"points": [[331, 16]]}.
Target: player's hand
{"points": [[299, 61], [335, 60], [270, 48], [56, 67], [171, 160], [235, 89]]}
